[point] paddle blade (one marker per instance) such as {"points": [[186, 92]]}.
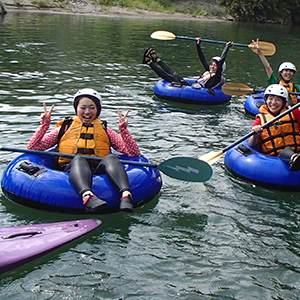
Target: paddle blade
{"points": [[236, 89], [187, 169], [163, 35], [211, 157], [266, 48]]}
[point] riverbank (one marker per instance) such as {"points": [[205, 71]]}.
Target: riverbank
{"points": [[86, 7]]}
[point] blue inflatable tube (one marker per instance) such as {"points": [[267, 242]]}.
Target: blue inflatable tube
{"points": [[253, 103], [263, 170], [32, 181], [165, 90]]}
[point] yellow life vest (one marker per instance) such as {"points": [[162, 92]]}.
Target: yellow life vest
{"points": [[84, 139], [290, 88], [282, 133]]}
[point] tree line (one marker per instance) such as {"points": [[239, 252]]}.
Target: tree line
{"points": [[263, 11]]}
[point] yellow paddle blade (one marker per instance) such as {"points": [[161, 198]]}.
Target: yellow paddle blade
{"points": [[266, 48], [236, 89], [211, 157], [163, 35]]}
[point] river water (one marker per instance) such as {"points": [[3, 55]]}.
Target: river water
{"points": [[223, 239]]}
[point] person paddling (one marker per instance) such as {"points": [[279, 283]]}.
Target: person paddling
{"points": [[86, 134], [211, 78], [282, 137], [286, 72]]}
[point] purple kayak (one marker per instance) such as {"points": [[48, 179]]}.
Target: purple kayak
{"points": [[21, 244]]}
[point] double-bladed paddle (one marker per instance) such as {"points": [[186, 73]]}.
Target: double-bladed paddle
{"points": [[212, 157], [239, 89], [267, 48], [182, 168]]}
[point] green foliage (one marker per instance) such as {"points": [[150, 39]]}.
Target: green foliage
{"points": [[193, 7], [275, 11], [156, 5]]}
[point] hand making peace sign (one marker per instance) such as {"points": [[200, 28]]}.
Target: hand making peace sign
{"points": [[46, 115], [123, 122]]}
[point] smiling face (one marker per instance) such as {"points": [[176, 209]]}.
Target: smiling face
{"points": [[287, 75], [213, 67], [86, 110], [275, 104]]}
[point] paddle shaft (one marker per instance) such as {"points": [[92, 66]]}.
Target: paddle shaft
{"points": [[266, 47], [263, 126], [209, 41], [239, 89], [57, 154], [182, 168], [260, 91]]}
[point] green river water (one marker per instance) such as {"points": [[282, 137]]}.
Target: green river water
{"points": [[223, 239]]}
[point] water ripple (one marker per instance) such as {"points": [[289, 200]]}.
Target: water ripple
{"points": [[223, 239]]}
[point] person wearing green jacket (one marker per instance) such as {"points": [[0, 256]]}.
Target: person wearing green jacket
{"points": [[286, 72]]}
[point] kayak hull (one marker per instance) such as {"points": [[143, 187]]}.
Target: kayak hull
{"points": [[22, 244]]}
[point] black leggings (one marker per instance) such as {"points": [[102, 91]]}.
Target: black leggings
{"points": [[167, 73], [81, 173]]}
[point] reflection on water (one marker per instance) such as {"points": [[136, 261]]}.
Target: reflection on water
{"points": [[221, 239]]}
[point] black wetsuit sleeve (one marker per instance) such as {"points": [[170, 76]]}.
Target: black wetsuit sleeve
{"points": [[202, 57], [223, 55], [217, 78]]}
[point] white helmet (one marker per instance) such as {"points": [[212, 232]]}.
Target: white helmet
{"points": [[287, 66], [94, 96], [277, 90], [217, 59], [88, 92]]}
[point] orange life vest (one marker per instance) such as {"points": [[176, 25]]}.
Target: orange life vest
{"points": [[282, 133], [84, 139], [290, 88]]}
